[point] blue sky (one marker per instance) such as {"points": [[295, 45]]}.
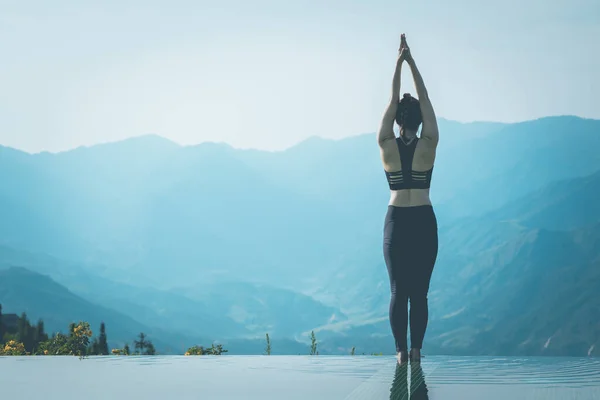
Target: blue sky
{"points": [[267, 74]]}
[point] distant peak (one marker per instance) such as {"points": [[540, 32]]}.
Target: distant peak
{"points": [[6, 152], [150, 137], [212, 144], [209, 147], [311, 141], [144, 141]]}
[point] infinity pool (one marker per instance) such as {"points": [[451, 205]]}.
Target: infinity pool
{"points": [[301, 377]]}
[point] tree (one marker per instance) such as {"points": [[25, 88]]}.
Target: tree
{"points": [[57, 345], [141, 344], [216, 350], [1, 327], [121, 352], [22, 328], [200, 351], [77, 342], [79, 338], [13, 348], [268, 348], [313, 343], [25, 333], [93, 349], [352, 351], [102, 341], [150, 350], [39, 335], [195, 351]]}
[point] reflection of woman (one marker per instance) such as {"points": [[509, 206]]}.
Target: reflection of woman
{"points": [[400, 388], [418, 388], [410, 232]]}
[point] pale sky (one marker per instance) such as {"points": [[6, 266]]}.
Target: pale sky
{"points": [[268, 74]]}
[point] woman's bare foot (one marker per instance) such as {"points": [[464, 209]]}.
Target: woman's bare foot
{"points": [[415, 355], [402, 357]]}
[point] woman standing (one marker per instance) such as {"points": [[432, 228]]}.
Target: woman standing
{"points": [[410, 231]]}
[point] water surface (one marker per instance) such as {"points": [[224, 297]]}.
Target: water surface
{"points": [[298, 377]]}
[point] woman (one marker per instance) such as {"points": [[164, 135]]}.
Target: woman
{"points": [[410, 231]]}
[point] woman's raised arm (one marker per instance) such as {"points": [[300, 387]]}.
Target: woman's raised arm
{"points": [[386, 129], [430, 127]]}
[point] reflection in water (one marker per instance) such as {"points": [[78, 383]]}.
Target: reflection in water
{"points": [[401, 390], [300, 378], [418, 387]]}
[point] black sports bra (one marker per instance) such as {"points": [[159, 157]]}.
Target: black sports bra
{"points": [[408, 178]]}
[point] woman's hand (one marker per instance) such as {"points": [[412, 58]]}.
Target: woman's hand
{"points": [[405, 50], [401, 52]]}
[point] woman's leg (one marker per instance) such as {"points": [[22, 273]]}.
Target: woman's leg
{"points": [[425, 243], [392, 251]]}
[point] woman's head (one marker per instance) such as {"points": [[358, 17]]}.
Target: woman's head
{"points": [[408, 114]]}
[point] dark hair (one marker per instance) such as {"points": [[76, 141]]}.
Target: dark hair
{"points": [[408, 113]]}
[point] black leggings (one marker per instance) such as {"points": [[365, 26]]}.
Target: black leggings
{"points": [[410, 248]]}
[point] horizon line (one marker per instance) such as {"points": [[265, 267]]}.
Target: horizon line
{"points": [[312, 137]]}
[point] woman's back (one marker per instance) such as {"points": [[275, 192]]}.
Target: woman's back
{"points": [[416, 191]]}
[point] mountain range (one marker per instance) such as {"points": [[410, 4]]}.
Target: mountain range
{"points": [[213, 243]]}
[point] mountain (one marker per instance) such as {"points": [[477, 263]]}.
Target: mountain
{"points": [[301, 229], [214, 310], [177, 213], [39, 296], [501, 164], [141, 205], [528, 274], [22, 290], [519, 280], [562, 205], [535, 294], [517, 160]]}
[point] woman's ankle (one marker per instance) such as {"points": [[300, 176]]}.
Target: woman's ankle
{"points": [[402, 356], [415, 354]]}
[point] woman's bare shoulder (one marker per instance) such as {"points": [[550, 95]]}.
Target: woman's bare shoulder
{"points": [[390, 156]]}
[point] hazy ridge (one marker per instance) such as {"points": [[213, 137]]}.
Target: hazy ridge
{"points": [[212, 243]]}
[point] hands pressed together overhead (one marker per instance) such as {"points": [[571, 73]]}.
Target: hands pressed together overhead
{"points": [[404, 51]]}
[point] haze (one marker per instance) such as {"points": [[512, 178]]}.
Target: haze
{"points": [[269, 74]]}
